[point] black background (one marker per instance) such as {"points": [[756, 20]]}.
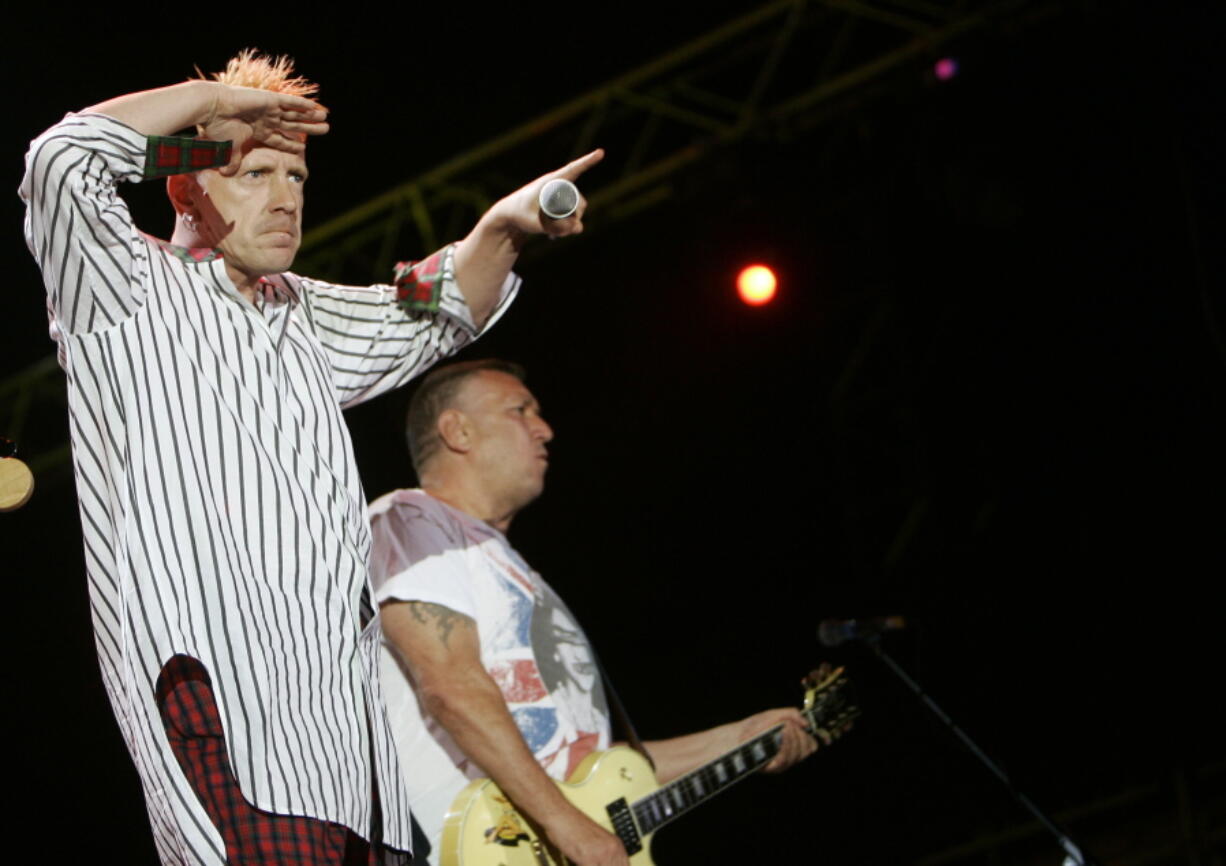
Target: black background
{"points": [[1001, 331]]}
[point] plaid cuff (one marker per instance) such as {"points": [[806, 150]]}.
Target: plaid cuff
{"points": [[166, 155], [419, 285]]}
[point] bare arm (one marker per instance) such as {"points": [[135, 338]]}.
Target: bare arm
{"points": [[680, 755], [485, 258], [442, 651], [163, 111], [244, 115]]}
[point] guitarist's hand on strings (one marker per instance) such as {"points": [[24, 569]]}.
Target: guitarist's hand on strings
{"points": [[583, 841], [795, 741]]}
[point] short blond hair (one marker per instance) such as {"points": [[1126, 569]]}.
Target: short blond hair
{"points": [[250, 68]]}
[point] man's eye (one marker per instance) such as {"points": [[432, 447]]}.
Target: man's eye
{"points": [[298, 177]]}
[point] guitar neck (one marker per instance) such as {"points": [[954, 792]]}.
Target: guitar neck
{"points": [[684, 793]]}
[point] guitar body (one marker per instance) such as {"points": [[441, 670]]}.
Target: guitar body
{"points": [[617, 789], [484, 829]]}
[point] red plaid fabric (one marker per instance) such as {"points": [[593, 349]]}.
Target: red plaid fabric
{"points": [[252, 837], [420, 284], [172, 154]]}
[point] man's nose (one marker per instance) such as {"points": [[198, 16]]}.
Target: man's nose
{"points": [[282, 196], [543, 431]]}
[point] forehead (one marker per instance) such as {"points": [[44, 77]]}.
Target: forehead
{"points": [[492, 387], [565, 630], [268, 157]]}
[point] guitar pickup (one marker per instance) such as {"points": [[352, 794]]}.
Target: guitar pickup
{"points": [[622, 820]]}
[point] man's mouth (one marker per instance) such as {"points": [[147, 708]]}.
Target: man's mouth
{"points": [[282, 237]]}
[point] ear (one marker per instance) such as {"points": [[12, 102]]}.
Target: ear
{"points": [[184, 191], [455, 430]]}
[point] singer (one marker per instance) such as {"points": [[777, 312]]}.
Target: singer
{"points": [[225, 539]]}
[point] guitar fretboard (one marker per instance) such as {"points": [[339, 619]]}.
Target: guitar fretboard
{"points": [[679, 796], [828, 713]]}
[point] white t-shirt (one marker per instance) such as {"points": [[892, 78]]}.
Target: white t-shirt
{"points": [[425, 550]]}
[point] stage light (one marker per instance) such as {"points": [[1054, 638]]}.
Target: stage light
{"points": [[756, 285], [945, 68]]}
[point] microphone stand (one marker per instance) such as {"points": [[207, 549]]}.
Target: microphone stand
{"points": [[1074, 856]]}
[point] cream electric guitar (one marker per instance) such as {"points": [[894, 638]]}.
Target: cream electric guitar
{"points": [[618, 790]]}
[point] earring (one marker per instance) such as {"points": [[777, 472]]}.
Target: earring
{"points": [[189, 220]]}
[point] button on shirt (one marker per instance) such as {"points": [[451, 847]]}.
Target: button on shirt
{"points": [[221, 508]]}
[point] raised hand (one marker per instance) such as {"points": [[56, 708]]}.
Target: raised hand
{"points": [[486, 256], [521, 212], [260, 118]]}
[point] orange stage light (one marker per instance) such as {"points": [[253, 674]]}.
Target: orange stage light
{"points": [[756, 285]]}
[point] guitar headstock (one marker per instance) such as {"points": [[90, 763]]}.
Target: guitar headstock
{"points": [[828, 706]]}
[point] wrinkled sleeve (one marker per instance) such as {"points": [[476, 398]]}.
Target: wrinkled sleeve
{"points": [[93, 259], [77, 227], [418, 554], [375, 342]]}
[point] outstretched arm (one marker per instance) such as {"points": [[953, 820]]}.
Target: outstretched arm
{"points": [[486, 256], [442, 651], [680, 755]]}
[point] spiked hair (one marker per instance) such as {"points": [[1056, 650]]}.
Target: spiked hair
{"points": [[250, 68]]}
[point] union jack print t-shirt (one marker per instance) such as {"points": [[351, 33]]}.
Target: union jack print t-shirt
{"points": [[531, 645]]}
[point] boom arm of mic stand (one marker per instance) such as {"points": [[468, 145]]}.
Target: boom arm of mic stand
{"points": [[1074, 854]]}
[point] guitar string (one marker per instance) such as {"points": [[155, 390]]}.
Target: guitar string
{"points": [[692, 797]]}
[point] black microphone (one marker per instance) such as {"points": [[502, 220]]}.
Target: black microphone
{"points": [[832, 632]]}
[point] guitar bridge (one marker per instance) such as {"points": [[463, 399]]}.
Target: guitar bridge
{"points": [[622, 820]]}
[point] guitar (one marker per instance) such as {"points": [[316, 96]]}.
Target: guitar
{"points": [[618, 789]]}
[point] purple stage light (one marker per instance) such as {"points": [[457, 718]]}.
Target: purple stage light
{"points": [[945, 68]]}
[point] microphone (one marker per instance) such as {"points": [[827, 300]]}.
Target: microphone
{"points": [[559, 198], [832, 632]]}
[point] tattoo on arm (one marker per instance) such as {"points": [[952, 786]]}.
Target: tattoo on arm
{"points": [[443, 618]]}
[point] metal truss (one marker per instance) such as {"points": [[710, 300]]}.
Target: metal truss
{"points": [[777, 72]]}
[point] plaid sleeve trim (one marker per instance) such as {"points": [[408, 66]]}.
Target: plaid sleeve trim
{"points": [[167, 155], [419, 285]]}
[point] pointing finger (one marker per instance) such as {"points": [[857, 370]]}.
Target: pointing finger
{"points": [[573, 169]]}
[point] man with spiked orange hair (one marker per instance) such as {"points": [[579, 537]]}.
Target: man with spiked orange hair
{"points": [[225, 536]]}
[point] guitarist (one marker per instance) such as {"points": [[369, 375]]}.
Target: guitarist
{"points": [[487, 673]]}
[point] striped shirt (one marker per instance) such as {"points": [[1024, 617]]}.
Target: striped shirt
{"points": [[222, 513]]}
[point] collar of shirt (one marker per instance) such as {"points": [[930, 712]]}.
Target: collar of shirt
{"points": [[273, 293], [199, 255]]}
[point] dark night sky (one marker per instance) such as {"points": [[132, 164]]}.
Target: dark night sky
{"points": [[1031, 251]]}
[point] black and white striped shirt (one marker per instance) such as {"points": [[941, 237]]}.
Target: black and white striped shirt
{"points": [[221, 509]]}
